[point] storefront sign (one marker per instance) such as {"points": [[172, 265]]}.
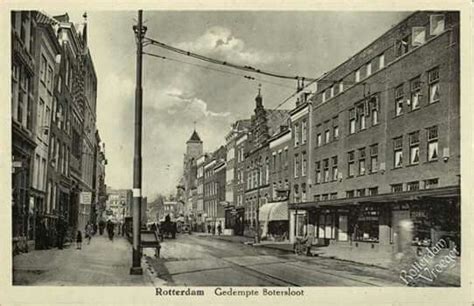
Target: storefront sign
{"points": [[85, 198]]}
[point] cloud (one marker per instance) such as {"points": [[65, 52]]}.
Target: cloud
{"points": [[185, 102], [221, 43]]}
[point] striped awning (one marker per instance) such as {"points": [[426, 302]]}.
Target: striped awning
{"points": [[277, 211]]}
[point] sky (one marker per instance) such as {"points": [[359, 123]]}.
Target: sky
{"points": [[175, 95]]}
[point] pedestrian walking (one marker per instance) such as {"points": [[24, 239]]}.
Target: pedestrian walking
{"points": [[219, 229], [89, 232], [79, 240], [208, 228]]}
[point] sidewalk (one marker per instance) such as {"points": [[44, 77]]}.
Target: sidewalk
{"points": [[102, 263]]}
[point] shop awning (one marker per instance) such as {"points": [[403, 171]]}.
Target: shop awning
{"points": [[277, 211], [438, 193]]}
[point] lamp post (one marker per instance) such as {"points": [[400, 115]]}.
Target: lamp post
{"points": [[136, 268]]}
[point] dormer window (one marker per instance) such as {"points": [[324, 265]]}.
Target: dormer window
{"points": [[436, 24]]}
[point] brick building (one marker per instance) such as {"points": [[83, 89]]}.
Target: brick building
{"points": [[213, 209], [387, 142]]}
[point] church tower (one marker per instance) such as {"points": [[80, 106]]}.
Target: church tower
{"points": [[194, 146]]}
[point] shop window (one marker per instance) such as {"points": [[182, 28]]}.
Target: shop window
{"points": [[402, 46], [413, 186], [361, 192], [326, 170], [432, 143], [436, 24], [352, 121], [397, 188], [419, 36], [367, 226], [326, 136], [398, 152], [421, 225], [431, 183], [334, 168], [373, 191], [326, 225], [415, 97], [433, 81], [319, 140], [362, 161], [399, 96], [414, 141], [351, 164], [349, 193], [374, 158], [342, 228], [318, 172]]}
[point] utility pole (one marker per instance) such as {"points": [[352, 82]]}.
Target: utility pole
{"points": [[136, 268]]}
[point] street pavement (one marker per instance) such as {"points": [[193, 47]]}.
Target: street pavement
{"points": [[102, 263], [192, 260]]}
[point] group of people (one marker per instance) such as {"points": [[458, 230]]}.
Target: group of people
{"points": [[91, 229], [212, 229]]}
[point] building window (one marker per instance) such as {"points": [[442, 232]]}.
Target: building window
{"points": [[304, 164], [399, 100], [326, 170], [413, 186], [369, 69], [373, 191], [326, 136], [415, 97], [285, 158], [402, 45], [436, 24], [433, 80], [357, 75], [296, 193], [297, 165], [419, 35], [49, 78], [333, 196], [398, 151], [374, 158], [374, 110], [352, 121], [381, 61], [317, 197], [335, 129], [332, 91], [319, 140], [414, 141], [361, 192], [341, 87], [362, 161], [43, 68], [303, 192], [318, 172], [303, 132], [432, 143], [334, 168], [349, 193], [324, 96], [325, 197], [351, 162], [431, 183], [297, 135], [361, 110], [397, 187]]}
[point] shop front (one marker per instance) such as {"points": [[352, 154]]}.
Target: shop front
{"points": [[234, 221], [368, 229], [273, 220]]}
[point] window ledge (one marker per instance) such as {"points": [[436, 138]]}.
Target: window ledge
{"points": [[412, 165]]}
